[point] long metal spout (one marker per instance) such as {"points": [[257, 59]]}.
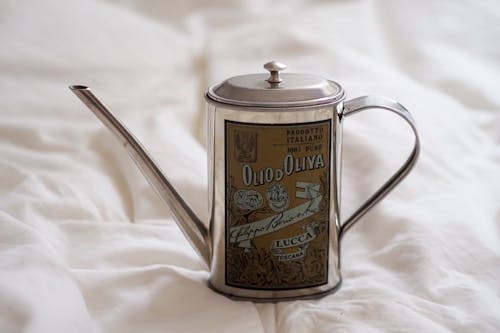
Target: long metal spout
{"points": [[192, 227]]}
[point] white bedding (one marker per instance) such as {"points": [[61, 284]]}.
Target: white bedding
{"points": [[85, 244]]}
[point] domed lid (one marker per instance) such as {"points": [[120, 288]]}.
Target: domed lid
{"points": [[276, 89]]}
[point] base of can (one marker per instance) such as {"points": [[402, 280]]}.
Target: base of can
{"points": [[278, 299]]}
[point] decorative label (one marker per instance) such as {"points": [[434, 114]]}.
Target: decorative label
{"points": [[277, 204]]}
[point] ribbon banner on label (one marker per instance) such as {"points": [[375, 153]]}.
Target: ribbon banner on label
{"points": [[243, 234]]}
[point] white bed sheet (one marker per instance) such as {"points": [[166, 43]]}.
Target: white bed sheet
{"points": [[85, 245]]}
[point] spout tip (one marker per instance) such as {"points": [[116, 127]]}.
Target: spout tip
{"points": [[78, 87]]}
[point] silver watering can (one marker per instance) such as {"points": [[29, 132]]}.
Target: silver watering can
{"points": [[274, 160]]}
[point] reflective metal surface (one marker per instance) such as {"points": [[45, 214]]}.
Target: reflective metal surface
{"points": [[277, 90], [194, 230], [217, 115], [282, 101], [378, 102], [274, 68]]}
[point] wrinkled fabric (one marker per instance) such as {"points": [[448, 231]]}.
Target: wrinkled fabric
{"points": [[85, 244]]}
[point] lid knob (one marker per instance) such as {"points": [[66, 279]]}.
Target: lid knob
{"points": [[274, 67]]}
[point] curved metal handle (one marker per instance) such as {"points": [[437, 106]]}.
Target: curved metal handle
{"points": [[377, 102]]}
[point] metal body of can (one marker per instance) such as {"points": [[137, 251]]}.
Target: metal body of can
{"points": [[274, 170], [274, 185]]}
